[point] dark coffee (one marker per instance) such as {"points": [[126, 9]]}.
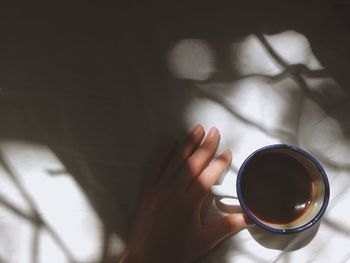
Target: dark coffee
{"points": [[276, 187]]}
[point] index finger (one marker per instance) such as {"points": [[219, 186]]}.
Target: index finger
{"points": [[192, 142]]}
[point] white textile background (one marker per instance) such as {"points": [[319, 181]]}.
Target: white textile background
{"points": [[90, 95]]}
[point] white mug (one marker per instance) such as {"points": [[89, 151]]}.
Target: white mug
{"points": [[271, 169]]}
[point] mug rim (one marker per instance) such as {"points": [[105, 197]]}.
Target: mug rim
{"points": [[319, 167]]}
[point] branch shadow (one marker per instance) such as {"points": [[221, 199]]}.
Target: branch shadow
{"points": [[61, 72], [34, 217]]}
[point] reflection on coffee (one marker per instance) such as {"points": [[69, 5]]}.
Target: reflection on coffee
{"points": [[276, 187]]}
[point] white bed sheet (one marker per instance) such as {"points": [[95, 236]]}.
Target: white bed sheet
{"points": [[85, 116]]}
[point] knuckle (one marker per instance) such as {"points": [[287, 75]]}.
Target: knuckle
{"points": [[210, 142], [207, 148], [193, 165]]}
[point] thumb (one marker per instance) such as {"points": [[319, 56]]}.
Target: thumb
{"points": [[225, 227]]}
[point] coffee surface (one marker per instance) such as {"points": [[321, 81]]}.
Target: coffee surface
{"points": [[276, 187]]}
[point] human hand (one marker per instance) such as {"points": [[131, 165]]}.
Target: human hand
{"points": [[168, 226]]}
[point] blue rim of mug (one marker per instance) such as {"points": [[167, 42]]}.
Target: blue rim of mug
{"points": [[252, 217]]}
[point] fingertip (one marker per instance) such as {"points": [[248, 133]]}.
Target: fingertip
{"points": [[197, 129], [247, 221], [238, 222], [227, 154], [213, 132]]}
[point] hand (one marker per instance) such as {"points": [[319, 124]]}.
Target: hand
{"points": [[168, 225]]}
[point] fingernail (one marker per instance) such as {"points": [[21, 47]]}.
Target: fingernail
{"points": [[228, 154], [197, 129], [248, 222], [213, 132]]}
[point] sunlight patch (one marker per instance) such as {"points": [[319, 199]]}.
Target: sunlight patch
{"points": [[58, 199], [249, 56], [294, 48], [191, 59], [325, 135]]}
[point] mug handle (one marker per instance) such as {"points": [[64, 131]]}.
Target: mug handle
{"points": [[217, 191]]}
